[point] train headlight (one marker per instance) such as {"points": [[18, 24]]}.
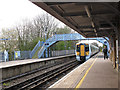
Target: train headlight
{"points": [[87, 53], [77, 53]]}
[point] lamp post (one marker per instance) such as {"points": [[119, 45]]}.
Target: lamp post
{"points": [[54, 53], [65, 46], [45, 29]]}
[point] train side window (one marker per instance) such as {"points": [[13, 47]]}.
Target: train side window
{"points": [[86, 48], [78, 48]]}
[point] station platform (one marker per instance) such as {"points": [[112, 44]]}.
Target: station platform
{"points": [[19, 67], [94, 73], [28, 61]]}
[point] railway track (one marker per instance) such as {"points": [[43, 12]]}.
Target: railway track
{"points": [[46, 75], [13, 80], [31, 72]]}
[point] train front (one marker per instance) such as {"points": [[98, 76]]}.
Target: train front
{"points": [[82, 51]]}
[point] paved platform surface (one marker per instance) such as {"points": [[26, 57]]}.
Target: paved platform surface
{"points": [[27, 61], [94, 73]]}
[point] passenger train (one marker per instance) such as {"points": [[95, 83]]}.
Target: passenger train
{"points": [[84, 51]]}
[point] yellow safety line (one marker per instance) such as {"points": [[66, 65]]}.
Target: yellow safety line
{"points": [[79, 84]]}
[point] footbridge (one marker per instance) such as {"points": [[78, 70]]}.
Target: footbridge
{"points": [[64, 37]]}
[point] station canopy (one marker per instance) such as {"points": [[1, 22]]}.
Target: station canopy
{"points": [[90, 19]]}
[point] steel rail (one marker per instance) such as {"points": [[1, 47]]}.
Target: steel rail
{"points": [[33, 80], [31, 72], [49, 76]]}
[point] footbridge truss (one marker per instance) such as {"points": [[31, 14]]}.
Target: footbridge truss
{"points": [[64, 37]]}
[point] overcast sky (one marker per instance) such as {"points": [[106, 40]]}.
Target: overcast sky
{"points": [[13, 12]]}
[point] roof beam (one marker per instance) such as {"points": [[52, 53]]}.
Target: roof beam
{"points": [[85, 27], [87, 31], [88, 3], [107, 28], [85, 14], [115, 10], [76, 3], [93, 35], [109, 22], [90, 34], [110, 30], [74, 14], [89, 15], [90, 27], [57, 3]]}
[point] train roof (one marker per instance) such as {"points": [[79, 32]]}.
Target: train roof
{"points": [[82, 43], [86, 44]]}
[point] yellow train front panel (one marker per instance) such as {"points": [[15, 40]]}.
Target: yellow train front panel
{"points": [[82, 50]]}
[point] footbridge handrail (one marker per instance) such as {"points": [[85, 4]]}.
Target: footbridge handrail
{"points": [[63, 37], [34, 49], [59, 37]]}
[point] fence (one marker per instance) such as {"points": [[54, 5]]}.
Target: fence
{"points": [[1, 56], [22, 55], [62, 53], [25, 54]]}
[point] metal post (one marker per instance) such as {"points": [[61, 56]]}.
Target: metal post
{"points": [[49, 52], [117, 60], [46, 52], [53, 52], [110, 49], [118, 38], [7, 56], [114, 53], [119, 47], [14, 54], [65, 46], [43, 55], [119, 51]]}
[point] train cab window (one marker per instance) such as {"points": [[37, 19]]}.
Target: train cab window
{"points": [[86, 48], [78, 48]]}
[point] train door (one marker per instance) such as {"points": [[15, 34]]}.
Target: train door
{"points": [[82, 52]]}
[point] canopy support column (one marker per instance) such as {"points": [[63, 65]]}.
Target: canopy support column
{"points": [[114, 52], [119, 49]]}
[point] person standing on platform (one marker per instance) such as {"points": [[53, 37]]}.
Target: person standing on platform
{"points": [[5, 56], [105, 52]]}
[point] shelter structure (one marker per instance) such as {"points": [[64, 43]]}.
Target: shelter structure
{"points": [[90, 19]]}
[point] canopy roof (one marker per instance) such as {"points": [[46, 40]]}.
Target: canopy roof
{"points": [[90, 19]]}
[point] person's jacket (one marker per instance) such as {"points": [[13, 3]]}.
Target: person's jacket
{"points": [[105, 50]]}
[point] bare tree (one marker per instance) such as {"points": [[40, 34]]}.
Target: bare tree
{"points": [[12, 36], [45, 23], [28, 31]]}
